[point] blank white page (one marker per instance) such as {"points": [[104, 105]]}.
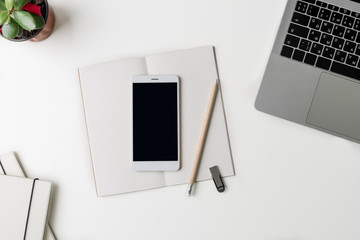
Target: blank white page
{"points": [[106, 91], [198, 73]]}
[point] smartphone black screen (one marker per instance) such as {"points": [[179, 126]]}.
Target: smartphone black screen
{"points": [[155, 122]]}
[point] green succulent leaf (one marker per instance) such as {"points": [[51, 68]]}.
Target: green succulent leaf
{"points": [[3, 17], [9, 4], [24, 19], [10, 29], [20, 3], [21, 30], [39, 21], [2, 6]]}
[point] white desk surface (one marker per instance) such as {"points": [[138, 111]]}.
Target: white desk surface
{"points": [[292, 182]]}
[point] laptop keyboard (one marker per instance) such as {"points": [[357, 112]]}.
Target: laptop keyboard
{"points": [[325, 36]]}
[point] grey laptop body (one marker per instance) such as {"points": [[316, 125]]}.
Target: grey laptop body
{"points": [[313, 74]]}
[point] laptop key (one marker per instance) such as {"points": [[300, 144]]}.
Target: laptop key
{"points": [[310, 59], [338, 43], [348, 21], [345, 70], [326, 39], [333, 8], [340, 56], [352, 60], [324, 14], [336, 17], [323, 63], [327, 27], [357, 24], [315, 23], [313, 10], [321, 4], [345, 11], [292, 41], [355, 14], [287, 51], [298, 30], [314, 35], [305, 45], [357, 51], [350, 34], [349, 47], [338, 31], [329, 52], [300, 19], [298, 55], [358, 38], [301, 7], [317, 48]]}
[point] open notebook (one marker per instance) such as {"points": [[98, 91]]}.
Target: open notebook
{"points": [[106, 92], [10, 166]]}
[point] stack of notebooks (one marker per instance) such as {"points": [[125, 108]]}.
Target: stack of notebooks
{"points": [[24, 203], [106, 93]]}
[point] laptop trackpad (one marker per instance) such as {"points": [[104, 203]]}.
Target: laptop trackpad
{"points": [[336, 106]]}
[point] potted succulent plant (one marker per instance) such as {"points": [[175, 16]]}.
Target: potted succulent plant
{"points": [[22, 20]]}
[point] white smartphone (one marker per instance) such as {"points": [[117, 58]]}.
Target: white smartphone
{"points": [[155, 123]]}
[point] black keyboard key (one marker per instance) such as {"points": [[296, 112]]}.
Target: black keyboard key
{"points": [[348, 21], [329, 52], [345, 11], [301, 7], [300, 19], [315, 23], [287, 51], [313, 10], [340, 56], [352, 60], [338, 31], [357, 24], [321, 4], [298, 55], [298, 30], [310, 1], [317, 48], [338, 43], [324, 14], [358, 38], [350, 34], [310, 59], [333, 8], [326, 39], [357, 51], [323, 63], [355, 14], [327, 27], [314, 35], [349, 47], [345, 70], [336, 17], [292, 41], [305, 45]]}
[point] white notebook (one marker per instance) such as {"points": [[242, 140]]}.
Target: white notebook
{"points": [[106, 92], [10, 166]]}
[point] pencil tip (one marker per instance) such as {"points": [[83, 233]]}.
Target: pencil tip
{"points": [[189, 189]]}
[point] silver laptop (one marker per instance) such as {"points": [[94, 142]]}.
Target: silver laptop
{"points": [[313, 74]]}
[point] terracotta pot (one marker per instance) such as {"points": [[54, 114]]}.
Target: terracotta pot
{"points": [[47, 30], [44, 33]]}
